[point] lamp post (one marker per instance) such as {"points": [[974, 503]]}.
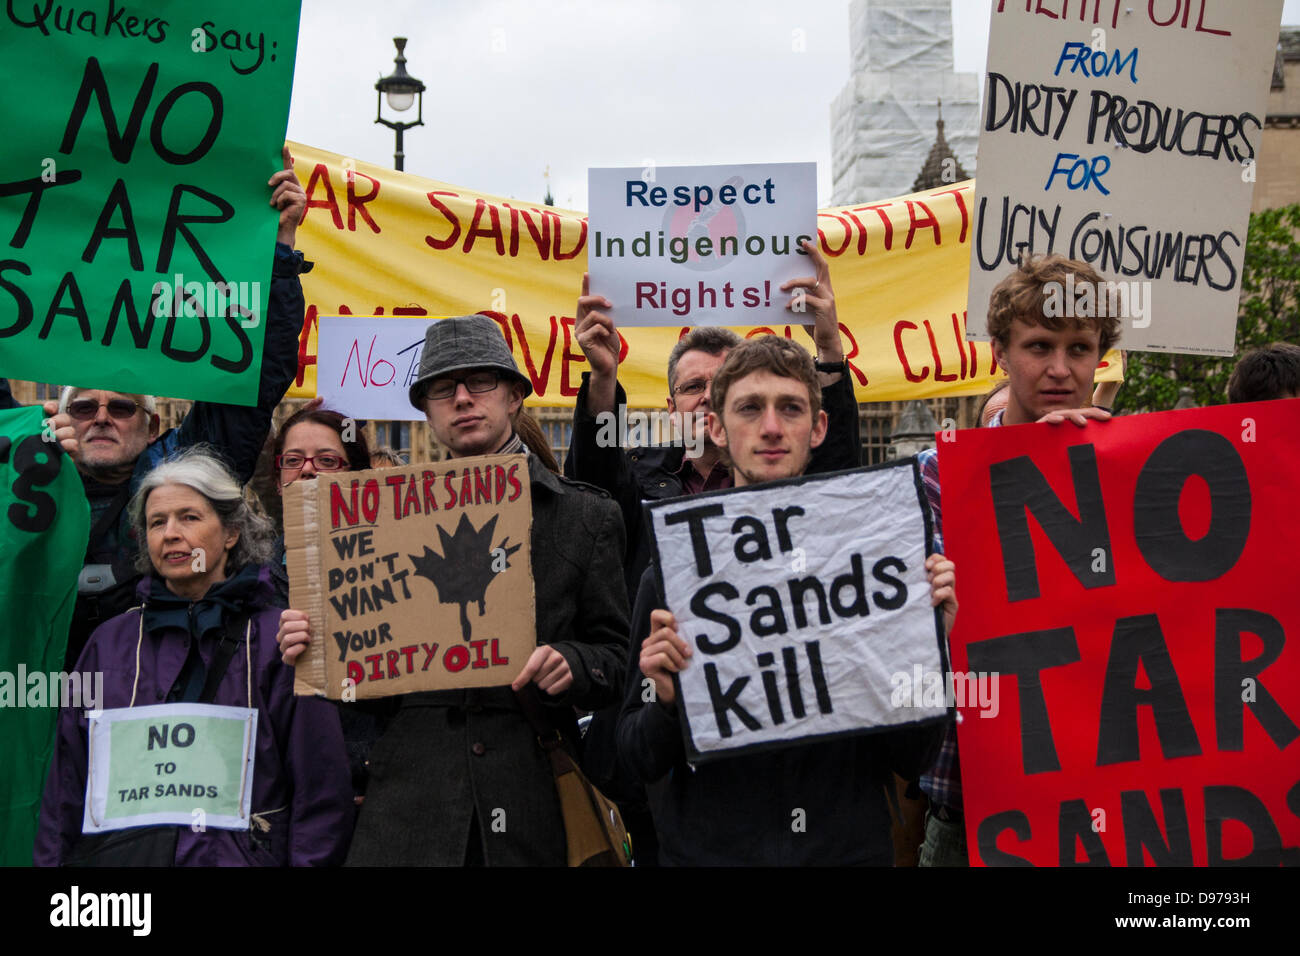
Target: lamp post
{"points": [[402, 90]]}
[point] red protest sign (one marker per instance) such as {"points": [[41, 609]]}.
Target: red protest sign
{"points": [[1130, 584]]}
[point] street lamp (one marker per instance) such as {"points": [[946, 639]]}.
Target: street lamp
{"points": [[402, 90]]}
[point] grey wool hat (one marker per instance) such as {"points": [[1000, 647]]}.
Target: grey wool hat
{"points": [[465, 342]]}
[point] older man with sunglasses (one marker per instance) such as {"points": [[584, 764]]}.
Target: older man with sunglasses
{"points": [[113, 437]]}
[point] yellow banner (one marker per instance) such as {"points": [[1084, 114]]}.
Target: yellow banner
{"points": [[389, 243]]}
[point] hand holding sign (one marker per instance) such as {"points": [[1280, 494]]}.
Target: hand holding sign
{"points": [[289, 198], [598, 338], [814, 293], [1080, 416], [293, 635], [60, 424], [663, 654], [943, 587]]}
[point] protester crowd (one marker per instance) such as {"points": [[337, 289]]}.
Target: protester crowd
{"points": [[420, 778]]}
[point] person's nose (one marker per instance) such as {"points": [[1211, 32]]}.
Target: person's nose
{"points": [[771, 422], [1058, 367], [308, 469], [101, 415], [172, 531], [462, 395]]}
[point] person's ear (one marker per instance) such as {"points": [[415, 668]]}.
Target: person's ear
{"points": [[999, 354], [818, 435], [716, 430], [154, 422], [232, 538], [516, 398]]}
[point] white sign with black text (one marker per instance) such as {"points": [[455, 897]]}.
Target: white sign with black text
{"points": [[800, 600]]}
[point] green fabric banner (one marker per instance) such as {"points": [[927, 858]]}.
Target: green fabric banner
{"points": [[136, 238], [44, 524]]}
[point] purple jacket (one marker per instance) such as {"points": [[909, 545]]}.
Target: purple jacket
{"points": [[300, 765]]}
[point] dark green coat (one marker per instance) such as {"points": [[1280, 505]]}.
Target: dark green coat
{"points": [[448, 754]]}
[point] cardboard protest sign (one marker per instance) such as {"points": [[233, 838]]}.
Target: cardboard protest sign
{"points": [[807, 605], [44, 523], [367, 365], [133, 198], [1124, 580], [700, 245], [159, 765], [392, 244], [414, 578], [1125, 135]]}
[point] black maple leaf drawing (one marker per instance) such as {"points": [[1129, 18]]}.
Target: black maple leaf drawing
{"points": [[464, 570]]}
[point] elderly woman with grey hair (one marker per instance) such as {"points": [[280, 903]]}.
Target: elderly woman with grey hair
{"points": [[204, 632]]}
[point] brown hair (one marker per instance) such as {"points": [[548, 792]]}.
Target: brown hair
{"points": [[1022, 295], [532, 435], [770, 353], [358, 450], [1266, 373]]}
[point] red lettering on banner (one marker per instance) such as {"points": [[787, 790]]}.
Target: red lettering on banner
{"points": [[880, 208], [556, 234], [961, 205], [569, 356], [539, 381], [305, 358], [541, 237], [357, 204], [320, 174], [938, 359], [902, 352], [443, 208], [914, 223], [856, 372], [848, 235], [493, 231]]}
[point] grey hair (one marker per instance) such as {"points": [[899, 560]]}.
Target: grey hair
{"points": [[707, 338], [200, 468]]}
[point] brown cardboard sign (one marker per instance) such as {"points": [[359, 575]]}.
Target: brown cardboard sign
{"points": [[415, 578]]}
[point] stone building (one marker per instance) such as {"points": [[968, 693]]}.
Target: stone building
{"points": [[1277, 176], [881, 122]]}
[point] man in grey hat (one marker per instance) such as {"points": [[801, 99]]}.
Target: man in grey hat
{"points": [[458, 777]]}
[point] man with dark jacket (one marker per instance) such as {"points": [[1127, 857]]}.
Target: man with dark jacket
{"points": [[811, 804], [654, 473], [113, 437], [459, 777]]}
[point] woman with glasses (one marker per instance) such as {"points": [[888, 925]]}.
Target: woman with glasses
{"points": [[203, 632], [319, 441]]}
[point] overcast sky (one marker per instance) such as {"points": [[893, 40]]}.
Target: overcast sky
{"points": [[517, 86]]}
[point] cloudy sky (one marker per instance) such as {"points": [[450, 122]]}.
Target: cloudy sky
{"points": [[519, 86]]}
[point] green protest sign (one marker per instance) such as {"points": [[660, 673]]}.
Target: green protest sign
{"points": [[184, 764], [136, 239], [44, 523]]}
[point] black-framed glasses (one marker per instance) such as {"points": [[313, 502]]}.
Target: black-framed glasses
{"points": [[326, 462], [476, 382], [84, 409], [695, 386]]}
